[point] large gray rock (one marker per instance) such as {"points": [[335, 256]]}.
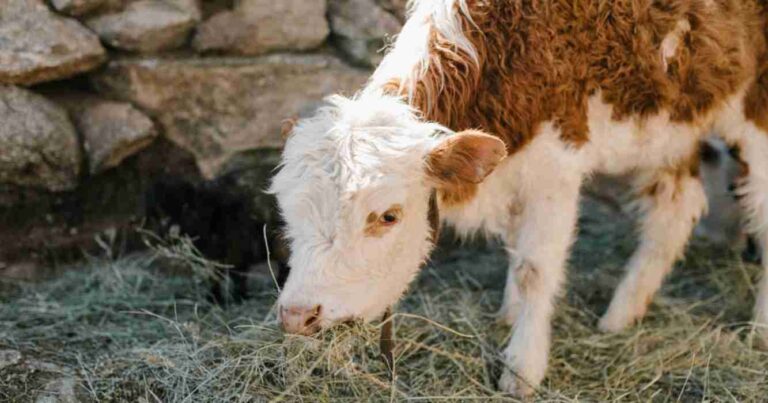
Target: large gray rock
{"points": [[111, 131], [361, 29], [259, 26], [216, 107], [37, 46], [38, 142], [145, 26]]}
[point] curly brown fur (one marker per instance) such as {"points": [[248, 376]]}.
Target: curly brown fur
{"points": [[541, 60]]}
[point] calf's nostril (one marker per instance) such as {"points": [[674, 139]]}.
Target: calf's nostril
{"points": [[313, 316]]}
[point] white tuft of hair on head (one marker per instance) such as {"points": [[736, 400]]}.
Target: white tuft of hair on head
{"points": [[409, 58]]}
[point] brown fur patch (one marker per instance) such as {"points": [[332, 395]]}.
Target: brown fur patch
{"points": [[694, 164], [653, 189], [540, 60], [457, 194], [286, 127], [756, 101], [516, 208]]}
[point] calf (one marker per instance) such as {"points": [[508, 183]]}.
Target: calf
{"points": [[219, 220], [557, 90]]}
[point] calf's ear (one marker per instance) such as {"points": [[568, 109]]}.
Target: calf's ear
{"points": [[286, 127], [465, 158]]}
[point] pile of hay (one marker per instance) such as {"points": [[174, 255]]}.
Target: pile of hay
{"points": [[132, 333]]}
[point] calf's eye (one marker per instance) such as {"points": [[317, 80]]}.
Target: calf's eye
{"points": [[378, 224], [389, 218]]}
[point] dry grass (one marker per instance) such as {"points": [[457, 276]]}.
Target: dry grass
{"points": [[132, 333]]}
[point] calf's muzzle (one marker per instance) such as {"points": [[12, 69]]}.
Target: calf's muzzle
{"points": [[300, 319]]}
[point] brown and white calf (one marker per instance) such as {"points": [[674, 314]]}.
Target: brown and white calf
{"points": [[563, 89]]}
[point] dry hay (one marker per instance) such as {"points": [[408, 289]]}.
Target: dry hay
{"points": [[132, 333]]}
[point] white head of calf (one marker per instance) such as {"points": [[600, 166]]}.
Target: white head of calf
{"points": [[354, 189]]}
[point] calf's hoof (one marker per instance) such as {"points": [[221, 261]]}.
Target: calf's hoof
{"points": [[514, 385], [621, 314], [612, 323]]}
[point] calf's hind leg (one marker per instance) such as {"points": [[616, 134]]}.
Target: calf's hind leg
{"points": [[753, 196], [672, 203]]}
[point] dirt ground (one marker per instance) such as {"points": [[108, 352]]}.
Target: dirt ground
{"points": [[126, 330]]}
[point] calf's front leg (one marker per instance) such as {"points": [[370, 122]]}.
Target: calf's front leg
{"points": [[536, 273]]}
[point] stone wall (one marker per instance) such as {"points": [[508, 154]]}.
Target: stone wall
{"points": [[100, 97]]}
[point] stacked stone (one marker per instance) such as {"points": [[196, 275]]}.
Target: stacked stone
{"points": [[86, 85]]}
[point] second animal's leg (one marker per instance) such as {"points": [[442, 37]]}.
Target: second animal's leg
{"points": [[753, 196]]}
